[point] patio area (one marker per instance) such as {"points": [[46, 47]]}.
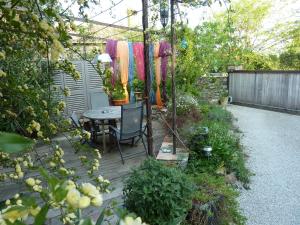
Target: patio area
{"points": [[111, 168]]}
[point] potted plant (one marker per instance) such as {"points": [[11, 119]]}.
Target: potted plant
{"points": [[115, 92], [223, 98], [118, 95], [138, 86]]}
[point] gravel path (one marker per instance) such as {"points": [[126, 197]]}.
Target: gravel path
{"points": [[272, 141]]}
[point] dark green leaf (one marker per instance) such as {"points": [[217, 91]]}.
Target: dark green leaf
{"points": [[41, 216], [101, 217], [14, 143]]}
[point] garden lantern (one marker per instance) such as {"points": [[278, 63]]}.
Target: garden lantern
{"points": [[164, 12], [207, 151]]}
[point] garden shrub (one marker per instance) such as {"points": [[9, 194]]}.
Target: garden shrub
{"points": [[187, 109], [226, 155], [216, 113], [160, 195], [214, 202]]}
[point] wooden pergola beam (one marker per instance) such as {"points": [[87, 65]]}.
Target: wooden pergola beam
{"points": [[105, 24]]}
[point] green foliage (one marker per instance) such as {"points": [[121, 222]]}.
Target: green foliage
{"points": [[215, 190], [14, 143], [159, 194], [138, 85], [227, 155]]}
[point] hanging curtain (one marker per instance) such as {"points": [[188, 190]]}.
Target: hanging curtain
{"points": [[138, 51], [111, 49], [131, 71], [123, 56], [164, 52], [151, 55], [157, 75]]}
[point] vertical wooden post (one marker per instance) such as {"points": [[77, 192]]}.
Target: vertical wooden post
{"points": [[173, 76], [147, 78]]}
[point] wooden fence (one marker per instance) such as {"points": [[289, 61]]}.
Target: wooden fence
{"points": [[270, 89]]}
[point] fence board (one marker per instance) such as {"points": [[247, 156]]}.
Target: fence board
{"points": [[274, 89]]}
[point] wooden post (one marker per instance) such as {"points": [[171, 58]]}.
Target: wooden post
{"points": [[174, 126], [147, 78]]}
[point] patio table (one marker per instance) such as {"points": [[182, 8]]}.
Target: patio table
{"points": [[102, 114]]}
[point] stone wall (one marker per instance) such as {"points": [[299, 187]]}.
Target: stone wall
{"points": [[213, 87]]}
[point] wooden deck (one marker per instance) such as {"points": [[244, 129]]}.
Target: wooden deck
{"points": [[111, 168]]}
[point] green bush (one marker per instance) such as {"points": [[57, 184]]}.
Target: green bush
{"points": [[220, 199], [216, 113], [227, 152], [160, 195]]}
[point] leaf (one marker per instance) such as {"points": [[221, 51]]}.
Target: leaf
{"points": [[100, 218], [41, 216], [14, 143], [86, 221]]}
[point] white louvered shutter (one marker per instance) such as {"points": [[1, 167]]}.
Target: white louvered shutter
{"points": [[93, 81]]}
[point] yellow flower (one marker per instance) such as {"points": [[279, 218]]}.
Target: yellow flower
{"points": [[84, 202], [97, 201], [44, 103], [2, 73], [73, 197], [30, 181], [52, 164], [13, 215], [35, 211], [20, 175], [16, 196], [70, 185], [7, 202], [19, 202], [2, 55], [67, 91], [61, 105], [130, 221], [18, 168], [37, 188], [89, 190]]}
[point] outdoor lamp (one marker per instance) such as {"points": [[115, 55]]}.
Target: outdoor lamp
{"points": [[164, 12], [207, 151], [103, 59]]}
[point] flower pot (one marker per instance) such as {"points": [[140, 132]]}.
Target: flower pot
{"points": [[118, 102]]}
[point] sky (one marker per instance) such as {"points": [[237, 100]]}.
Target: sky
{"points": [[282, 10]]}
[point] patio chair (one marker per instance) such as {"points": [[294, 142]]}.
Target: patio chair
{"points": [[131, 126], [77, 124]]}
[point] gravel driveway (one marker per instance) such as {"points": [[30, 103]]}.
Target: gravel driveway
{"points": [[272, 140]]}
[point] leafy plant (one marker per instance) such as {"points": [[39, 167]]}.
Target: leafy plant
{"points": [[118, 92], [138, 85], [227, 155], [219, 199], [159, 194], [14, 143]]}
